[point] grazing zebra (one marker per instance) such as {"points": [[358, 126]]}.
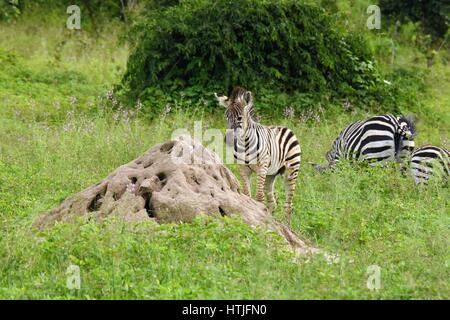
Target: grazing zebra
{"points": [[378, 139], [428, 161], [268, 151]]}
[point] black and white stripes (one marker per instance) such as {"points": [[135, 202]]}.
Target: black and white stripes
{"points": [[430, 162], [378, 139], [268, 151]]}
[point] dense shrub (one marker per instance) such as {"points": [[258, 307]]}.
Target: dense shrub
{"points": [[283, 45]]}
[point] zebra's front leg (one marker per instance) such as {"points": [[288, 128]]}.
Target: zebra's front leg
{"points": [[290, 179], [245, 173], [261, 173], [271, 201]]}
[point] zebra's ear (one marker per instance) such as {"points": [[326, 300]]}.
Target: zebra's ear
{"points": [[222, 100]]}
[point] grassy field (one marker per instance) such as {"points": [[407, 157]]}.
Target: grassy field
{"points": [[58, 135]]}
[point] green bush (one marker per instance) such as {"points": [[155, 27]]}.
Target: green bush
{"points": [[287, 46]]}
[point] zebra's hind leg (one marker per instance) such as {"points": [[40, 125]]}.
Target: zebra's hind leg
{"points": [[271, 201], [245, 173], [290, 178]]}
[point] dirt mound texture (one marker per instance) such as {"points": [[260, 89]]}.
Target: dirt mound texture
{"points": [[170, 183]]}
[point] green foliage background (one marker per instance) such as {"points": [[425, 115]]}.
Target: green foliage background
{"points": [[284, 46], [287, 52], [8, 10], [433, 15]]}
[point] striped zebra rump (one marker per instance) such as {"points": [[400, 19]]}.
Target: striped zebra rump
{"points": [[429, 162], [376, 140]]}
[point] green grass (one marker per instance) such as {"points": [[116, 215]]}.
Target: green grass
{"points": [[52, 145]]}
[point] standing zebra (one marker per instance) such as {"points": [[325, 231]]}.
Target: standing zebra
{"points": [[268, 151], [428, 161], [378, 139]]}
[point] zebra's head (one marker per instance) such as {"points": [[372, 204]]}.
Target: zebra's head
{"points": [[406, 127], [239, 108]]}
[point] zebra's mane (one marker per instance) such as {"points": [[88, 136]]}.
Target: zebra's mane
{"points": [[237, 94]]}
